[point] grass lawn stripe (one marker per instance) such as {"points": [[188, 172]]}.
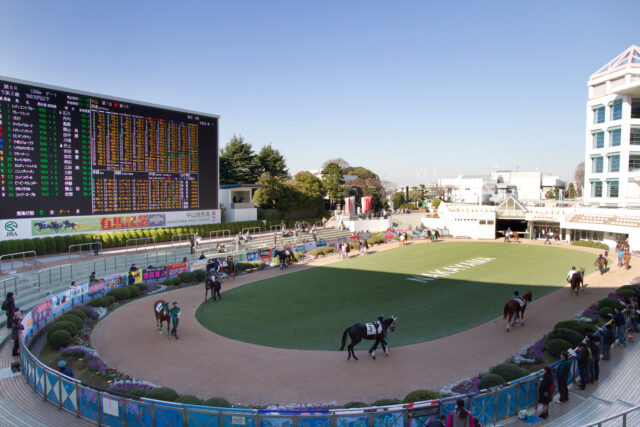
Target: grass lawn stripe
{"points": [[310, 309]]}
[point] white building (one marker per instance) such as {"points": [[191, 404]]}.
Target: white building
{"points": [[237, 202], [612, 159], [475, 189]]}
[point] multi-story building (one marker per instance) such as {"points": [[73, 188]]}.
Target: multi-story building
{"points": [[612, 160]]}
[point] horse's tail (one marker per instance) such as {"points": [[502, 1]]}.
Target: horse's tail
{"points": [[344, 339], [506, 310]]}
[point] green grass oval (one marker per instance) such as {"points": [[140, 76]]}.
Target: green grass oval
{"points": [[311, 309]]}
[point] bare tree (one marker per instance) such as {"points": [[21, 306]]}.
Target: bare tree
{"points": [[578, 175]]}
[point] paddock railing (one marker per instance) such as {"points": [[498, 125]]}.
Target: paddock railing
{"points": [[18, 260]]}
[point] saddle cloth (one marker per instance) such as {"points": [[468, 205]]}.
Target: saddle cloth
{"points": [[520, 300], [374, 328], [159, 307]]}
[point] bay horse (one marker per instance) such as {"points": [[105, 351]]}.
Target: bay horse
{"points": [[213, 283], [513, 307], [161, 311], [359, 331], [577, 280], [601, 263], [626, 260]]}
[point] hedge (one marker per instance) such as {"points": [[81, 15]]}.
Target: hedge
{"points": [[557, 346], [355, 405], [576, 325], [625, 293], [218, 402], [139, 392], [610, 302], [321, 251], [60, 244], [64, 325], [100, 302], [490, 380], [572, 336], [385, 402], [72, 318], [78, 312], [120, 294], [420, 395], [186, 277], [59, 339], [590, 244], [605, 312], [189, 399], [134, 290], [508, 371], [163, 393], [246, 265]]}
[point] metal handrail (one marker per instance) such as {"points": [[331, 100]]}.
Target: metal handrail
{"points": [[214, 234], [12, 257], [81, 245], [613, 417], [179, 236], [275, 228], [251, 230], [4, 284], [140, 239], [50, 270]]}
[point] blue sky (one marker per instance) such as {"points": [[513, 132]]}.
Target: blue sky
{"points": [[397, 87]]}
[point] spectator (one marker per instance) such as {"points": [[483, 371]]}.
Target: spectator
{"points": [[564, 369], [607, 341], [545, 393], [582, 356], [460, 417], [9, 307], [96, 246], [203, 256], [73, 285], [131, 280], [438, 422], [633, 314], [133, 268], [15, 333], [62, 367], [594, 367], [92, 277], [618, 319]]}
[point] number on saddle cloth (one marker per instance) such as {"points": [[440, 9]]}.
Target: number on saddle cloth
{"points": [[374, 328]]}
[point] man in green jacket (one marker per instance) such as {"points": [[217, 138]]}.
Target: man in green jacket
{"points": [[564, 369], [175, 318]]}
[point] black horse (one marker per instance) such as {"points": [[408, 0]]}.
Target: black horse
{"points": [[214, 283], [371, 331], [42, 225]]}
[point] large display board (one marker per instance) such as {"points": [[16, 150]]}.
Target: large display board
{"points": [[66, 153]]}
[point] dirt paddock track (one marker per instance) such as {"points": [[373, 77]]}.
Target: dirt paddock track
{"points": [[208, 365]]}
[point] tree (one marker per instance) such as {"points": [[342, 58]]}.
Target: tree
{"points": [[340, 162], [309, 185], [272, 161], [571, 191], [552, 193], [333, 181], [418, 194], [238, 163], [578, 175], [271, 192], [397, 199]]}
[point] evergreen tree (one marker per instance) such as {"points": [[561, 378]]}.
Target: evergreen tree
{"points": [[238, 163], [272, 161], [571, 191], [333, 181]]}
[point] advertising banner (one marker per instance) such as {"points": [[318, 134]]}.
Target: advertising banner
{"points": [[265, 254], [253, 256], [342, 239], [333, 243], [154, 274], [321, 243], [137, 275], [60, 302], [200, 264], [96, 288], [309, 246], [299, 248], [174, 269], [27, 322], [41, 312], [114, 281], [238, 258], [78, 293]]}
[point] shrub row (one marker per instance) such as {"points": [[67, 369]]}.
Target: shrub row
{"points": [[61, 332], [58, 244], [247, 265], [186, 277], [590, 244], [321, 251]]}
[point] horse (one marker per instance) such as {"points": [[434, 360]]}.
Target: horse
{"points": [[512, 307], [42, 225], [68, 224], [55, 226], [161, 311], [213, 283], [601, 263], [577, 280], [218, 266], [626, 260], [371, 331]]}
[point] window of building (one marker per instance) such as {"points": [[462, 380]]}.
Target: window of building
{"points": [[614, 162], [612, 188], [598, 115], [614, 137], [634, 162], [634, 138], [598, 139], [635, 108], [596, 164], [616, 110], [596, 188]]}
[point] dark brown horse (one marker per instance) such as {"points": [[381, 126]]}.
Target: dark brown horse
{"points": [[601, 263], [626, 260], [161, 311], [577, 280], [515, 310], [213, 283]]}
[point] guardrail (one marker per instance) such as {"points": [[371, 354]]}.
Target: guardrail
{"points": [[140, 241], [59, 269], [96, 247], [214, 234], [179, 238], [251, 230], [275, 228], [623, 415], [23, 255], [4, 283]]}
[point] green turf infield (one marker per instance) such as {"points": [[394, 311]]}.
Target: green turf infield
{"points": [[311, 309]]}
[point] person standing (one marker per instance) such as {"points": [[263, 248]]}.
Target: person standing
{"points": [[438, 421], [607, 341], [460, 417], [96, 246], [594, 346], [548, 238], [9, 307], [571, 273], [582, 356], [564, 369], [174, 312], [545, 393], [15, 334], [619, 320]]}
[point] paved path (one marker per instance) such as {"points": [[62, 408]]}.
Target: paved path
{"points": [[207, 365]]}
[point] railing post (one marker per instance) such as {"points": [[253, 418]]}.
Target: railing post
{"points": [[59, 392]]}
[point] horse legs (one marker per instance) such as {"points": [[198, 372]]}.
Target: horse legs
{"points": [[509, 321], [372, 350]]}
